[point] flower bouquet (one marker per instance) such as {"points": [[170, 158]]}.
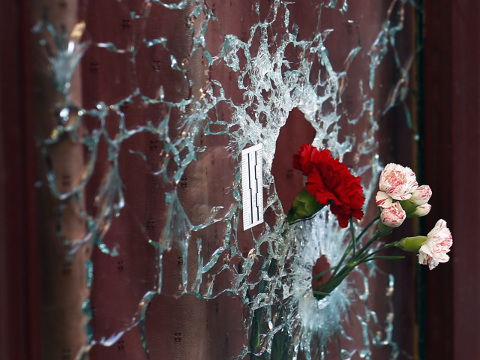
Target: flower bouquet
{"points": [[330, 183]]}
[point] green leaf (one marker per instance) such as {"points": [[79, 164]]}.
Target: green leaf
{"points": [[385, 258]]}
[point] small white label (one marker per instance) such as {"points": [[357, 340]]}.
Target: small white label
{"points": [[252, 186]]}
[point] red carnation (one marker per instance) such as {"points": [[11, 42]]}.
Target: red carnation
{"points": [[331, 182]]}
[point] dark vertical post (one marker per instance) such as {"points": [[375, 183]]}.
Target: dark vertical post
{"points": [[452, 158], [19, 286], [437, 146], [465, 126]]}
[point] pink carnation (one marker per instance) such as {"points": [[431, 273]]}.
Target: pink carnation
{"points": [[393, 216], [435, 249], [397, 183]]}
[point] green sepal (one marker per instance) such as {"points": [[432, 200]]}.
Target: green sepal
{"points": [[412, 244], [304, 206]]}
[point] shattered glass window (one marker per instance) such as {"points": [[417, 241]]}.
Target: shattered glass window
{"points": [[144, 110]]}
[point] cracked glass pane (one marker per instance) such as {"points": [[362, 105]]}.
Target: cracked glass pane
{"points": [[147, 107]]}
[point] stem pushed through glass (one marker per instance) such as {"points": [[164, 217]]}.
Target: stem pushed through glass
{"points": [[323, 285]]}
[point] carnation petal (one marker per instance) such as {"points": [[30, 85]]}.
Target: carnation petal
{"points": [[383, 199]]}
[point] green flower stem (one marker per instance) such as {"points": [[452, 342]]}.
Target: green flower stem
{"points": [[333, 282], [352, 231], [374, 238], [364, 231], [345, 253], [354, 239], [341, 272], [353, 243], [386, 246], [319, 275]]}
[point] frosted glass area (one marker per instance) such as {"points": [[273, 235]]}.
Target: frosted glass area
{"points": [[151, 104]]}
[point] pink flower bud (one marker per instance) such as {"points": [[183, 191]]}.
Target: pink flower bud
{"points": [[421, 195], [398, 182], [393, 216], [421, 210], [438, 244]]}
